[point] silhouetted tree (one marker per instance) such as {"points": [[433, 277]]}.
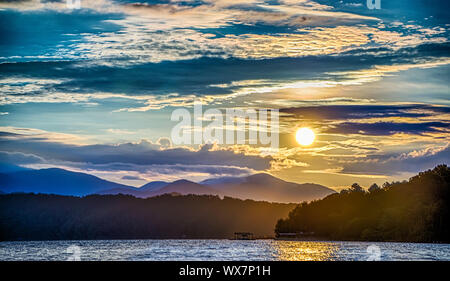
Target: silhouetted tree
{"points": [[356, 188], [374, 187]]}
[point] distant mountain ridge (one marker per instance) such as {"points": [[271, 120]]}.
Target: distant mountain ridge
{"points": [[182, 187], [144, 191], [223, 180], [154, 185], [269, 188], [9, 168], [54, 181], [262, 187]]}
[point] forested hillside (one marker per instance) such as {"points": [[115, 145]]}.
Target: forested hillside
{"points": [[48, 217], [416, 210]]}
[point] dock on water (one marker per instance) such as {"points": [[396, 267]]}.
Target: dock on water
{"points": [[243, 236]]}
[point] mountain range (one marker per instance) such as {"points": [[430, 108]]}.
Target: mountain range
{"points": [[262, 187], [54, 181]]}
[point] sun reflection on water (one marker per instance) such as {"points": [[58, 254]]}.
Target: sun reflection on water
{"points": [[305, 250]]}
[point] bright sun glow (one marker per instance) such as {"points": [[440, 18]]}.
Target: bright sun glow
{"points": [[305, 136]]}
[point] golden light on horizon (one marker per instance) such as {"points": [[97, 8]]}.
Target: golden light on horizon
{"points": [[305, 136]]}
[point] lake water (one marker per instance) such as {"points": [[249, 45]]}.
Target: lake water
{"points": [[254, 250]]}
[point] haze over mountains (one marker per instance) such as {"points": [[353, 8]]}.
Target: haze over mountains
{"points": [[151, 189], [262, 187], [269, 188]]}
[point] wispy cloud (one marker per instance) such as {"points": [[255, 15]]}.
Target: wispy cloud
{"points": [[45, 149]]}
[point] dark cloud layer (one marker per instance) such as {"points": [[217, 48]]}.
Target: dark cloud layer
{"points": [[387, 128], [197, 76], [138, 154], [342, 112], [398, 163], [339, 113]]}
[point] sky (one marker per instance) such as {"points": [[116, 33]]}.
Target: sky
{"points": [[93, 89]]}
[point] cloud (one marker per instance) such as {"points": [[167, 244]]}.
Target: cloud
{"points": [[358, 111], [371, 141], [120, 132], [133, 178], [155, 86], [18, 158], [145, 157], [411, 162], [122, 34], [139, 43], [387, 128], [59, 6]]}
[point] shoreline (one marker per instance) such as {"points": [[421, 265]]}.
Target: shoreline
{"points": [[315, 239]]}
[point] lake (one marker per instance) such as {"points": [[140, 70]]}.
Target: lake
{"points": [[252, 250]]}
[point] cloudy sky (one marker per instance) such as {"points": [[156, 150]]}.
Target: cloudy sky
{"points": [[93, 89]]}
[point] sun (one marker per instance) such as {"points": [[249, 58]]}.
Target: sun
{"points": [[305, 136]]}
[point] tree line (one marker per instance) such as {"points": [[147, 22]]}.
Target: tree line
{"points": [[416, 211], [55, 217]]}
